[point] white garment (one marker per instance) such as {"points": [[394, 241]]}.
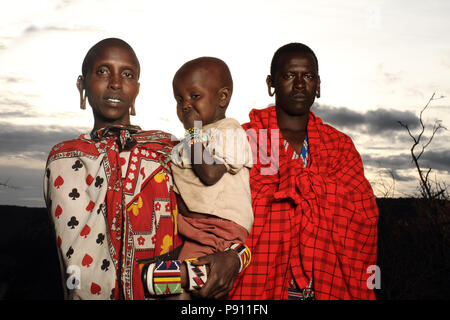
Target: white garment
{"points": [[230, 197]]}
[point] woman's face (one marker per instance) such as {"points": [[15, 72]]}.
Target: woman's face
{"points": [[296, 83], [112, 85]]}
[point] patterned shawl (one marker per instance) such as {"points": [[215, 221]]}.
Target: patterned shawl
{"points": [[110, 197]]}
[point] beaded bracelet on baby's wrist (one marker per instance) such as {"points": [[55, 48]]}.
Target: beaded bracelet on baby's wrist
{"points": [[194, 135]]}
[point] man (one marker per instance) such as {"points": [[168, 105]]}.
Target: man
{"points": [[315, 228]]}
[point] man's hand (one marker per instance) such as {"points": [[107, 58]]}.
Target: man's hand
{"points": [[223, 271]]}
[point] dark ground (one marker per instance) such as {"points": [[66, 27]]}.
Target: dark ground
{"points": [[413, 252]]}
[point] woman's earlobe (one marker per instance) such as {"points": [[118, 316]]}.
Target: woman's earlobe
{"points": [[132, 110], [80, 86]]}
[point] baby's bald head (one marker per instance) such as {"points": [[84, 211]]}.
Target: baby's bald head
{"points": [[212, 69], [202, 88]]}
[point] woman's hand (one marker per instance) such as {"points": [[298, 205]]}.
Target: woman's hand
{"points": [[223, 271]]}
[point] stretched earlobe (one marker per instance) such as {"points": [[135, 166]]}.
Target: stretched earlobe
{"points": [[81, 90], [132, 110], [318, 93], [269, 86]]}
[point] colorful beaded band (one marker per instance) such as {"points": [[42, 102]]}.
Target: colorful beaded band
{"points": [[197, 275], [245, 256], [147, 278], [163, 277], [194, 135]]}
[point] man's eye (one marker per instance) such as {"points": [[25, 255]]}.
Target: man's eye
{"points": [[128, 75], [288, 76], [309, 76]]}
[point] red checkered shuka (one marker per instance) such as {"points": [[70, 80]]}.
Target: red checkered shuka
{"points": [[319, 221]]}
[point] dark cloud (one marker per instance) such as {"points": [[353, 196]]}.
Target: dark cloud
{"points": [[392, 162], [25, 186], [437, 160], [33, 141], [379, 121]]}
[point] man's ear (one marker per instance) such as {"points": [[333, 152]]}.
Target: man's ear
{"points": [[269, 85], [318, 87], [80, 87], [224, 97]]}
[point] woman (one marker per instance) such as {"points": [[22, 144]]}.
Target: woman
{"points": [[109, 193]]}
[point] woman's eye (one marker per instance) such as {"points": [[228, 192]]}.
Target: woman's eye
{"points": [[195, 96], [102, 71]]}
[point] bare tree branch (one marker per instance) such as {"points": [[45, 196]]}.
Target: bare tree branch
{"points": [[425, 185]]}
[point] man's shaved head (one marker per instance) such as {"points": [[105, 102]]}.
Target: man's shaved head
{"points": [[106, 43]]}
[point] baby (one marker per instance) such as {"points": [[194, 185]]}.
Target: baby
{"points": [[210, 165]]}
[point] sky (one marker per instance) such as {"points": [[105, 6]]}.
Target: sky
{"points": [[380, 62]]}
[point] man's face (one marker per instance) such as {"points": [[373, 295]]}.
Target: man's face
{"points": [[296, 83], [112, 84]]}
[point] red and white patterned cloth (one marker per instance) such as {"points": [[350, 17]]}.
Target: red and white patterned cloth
{"points": [[110, 197], [319, 221]]}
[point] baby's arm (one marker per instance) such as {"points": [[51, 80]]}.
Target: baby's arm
{"points": [[205, 166]]}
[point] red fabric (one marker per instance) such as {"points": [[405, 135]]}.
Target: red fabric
{"points": [[318, 221], [207, 235]]}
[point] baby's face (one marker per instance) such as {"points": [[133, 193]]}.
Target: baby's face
{"points": [[112, 84], [197, 98]]}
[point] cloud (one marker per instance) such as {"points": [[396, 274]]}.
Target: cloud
{"points": [[437, 160], [33, 29], [377, 121], [27, 187], [12, 108], [33, 142]]}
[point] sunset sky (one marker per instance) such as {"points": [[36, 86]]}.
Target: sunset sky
{"points": [[380, 61]]}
